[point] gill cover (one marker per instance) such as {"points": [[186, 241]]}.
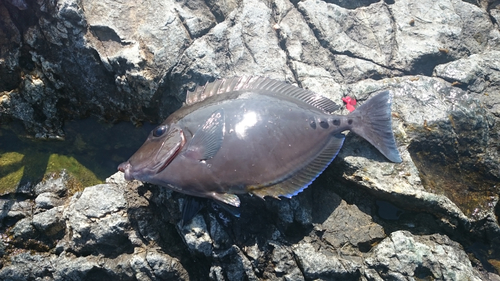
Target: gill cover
{"points": [[161, 147]]}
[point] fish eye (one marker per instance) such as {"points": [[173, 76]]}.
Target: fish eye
{"points": [[160, 130]]}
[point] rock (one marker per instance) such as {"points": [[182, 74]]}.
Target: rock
{"points": [[40, 231], [404, 256], [97, 221], [196, 237], [47, 200], [478, 74], [323, 264], [348, 225], [50, 222], [28, 266], [20, 4], [13, 210], [55, 184], [154, 265], [285, 264], [434, 216], [23, 229], [9, 54]]}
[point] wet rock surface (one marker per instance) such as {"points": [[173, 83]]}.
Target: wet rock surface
{"points": [[432, 217]]}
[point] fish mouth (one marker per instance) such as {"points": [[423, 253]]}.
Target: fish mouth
{"points": [[125, 169], [148, 163]]}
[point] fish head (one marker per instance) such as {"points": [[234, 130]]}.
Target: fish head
{"points": [[161, 147]]}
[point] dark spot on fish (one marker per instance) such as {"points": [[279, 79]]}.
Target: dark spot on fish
{"points": [[313, 124], [323, 124], [349, 121], [160, 130], [336, 122]]}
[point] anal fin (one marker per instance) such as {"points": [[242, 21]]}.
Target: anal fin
{"points": [[304, 177]]}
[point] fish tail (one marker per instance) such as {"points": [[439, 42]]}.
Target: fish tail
{"points": [[376, 125]]}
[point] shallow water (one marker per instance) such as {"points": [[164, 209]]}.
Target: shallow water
{"points": [[90, 152]]}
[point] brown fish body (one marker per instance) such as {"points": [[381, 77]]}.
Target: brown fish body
{"points": [[252, 135]]}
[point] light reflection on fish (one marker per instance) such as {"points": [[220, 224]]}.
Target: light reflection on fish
{"points": [[254, 135]]}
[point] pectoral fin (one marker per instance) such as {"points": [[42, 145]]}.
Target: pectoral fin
{"points": [[207, 140]]}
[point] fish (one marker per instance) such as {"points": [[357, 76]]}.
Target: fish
{"points": [[254, 135]]}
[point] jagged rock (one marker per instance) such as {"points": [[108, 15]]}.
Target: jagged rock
{"points": [[9, 54], [142, 265], [134, 61], [479, 73], [196, 236], [27, 266], [56, 184], [97, 221], [323, 264], [14, 210], [48, 200], [403, 256], [284, 264]]}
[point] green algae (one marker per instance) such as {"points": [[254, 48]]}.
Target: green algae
{"points": [[11, 176], [32, 166], [86, 177], [90, 152]]}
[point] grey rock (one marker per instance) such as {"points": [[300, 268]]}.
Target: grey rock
{"points": [[323, 263], [50, 222], [216, 273], [196, 17], [9, 55], [221, 239], [404, 256], [196, 236], [96, 221], [348, 225], [14, 209], [402, 35], [20, 4], [452, 116], [55, 184], [479, 73], [235, 265], [23, 229], [245, 44], [165, 267], [27, 266], [285, 264], [47, 200], [154, 265], [134, 61], [33, 231]]}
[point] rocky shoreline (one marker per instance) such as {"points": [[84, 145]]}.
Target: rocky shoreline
{"points": [[433, 217]]}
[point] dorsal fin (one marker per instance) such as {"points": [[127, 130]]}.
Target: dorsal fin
{"points": [[304, 177], [271, 86]]}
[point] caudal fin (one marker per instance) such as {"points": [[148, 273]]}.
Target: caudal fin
{"points": [[376, 125]]}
